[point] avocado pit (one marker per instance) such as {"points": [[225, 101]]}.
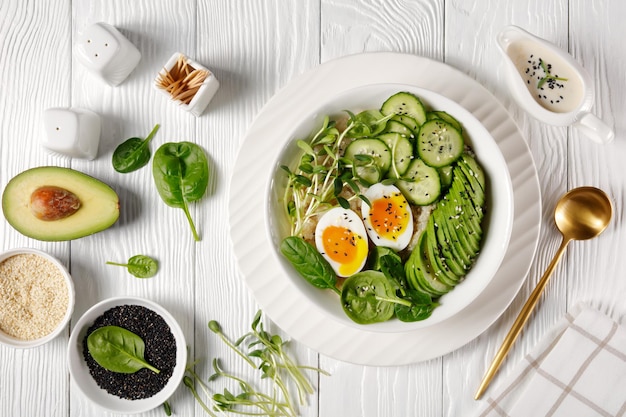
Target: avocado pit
{"points": [[51, 203]]}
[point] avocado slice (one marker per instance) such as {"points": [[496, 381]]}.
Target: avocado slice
{"points": [[82, 204]]}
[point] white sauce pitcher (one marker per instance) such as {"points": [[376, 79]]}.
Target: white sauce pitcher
{"points": [[549, 84]]}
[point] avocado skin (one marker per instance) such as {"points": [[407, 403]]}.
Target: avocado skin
{"points": [[100, 207]]}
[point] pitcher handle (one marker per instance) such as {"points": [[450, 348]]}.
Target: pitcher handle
{"points": [[594, 128]]}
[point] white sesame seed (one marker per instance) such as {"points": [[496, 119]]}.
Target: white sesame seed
{"points": [[33, 296]]}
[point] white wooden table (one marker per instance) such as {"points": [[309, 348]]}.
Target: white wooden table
{"points": [[255, 48]]}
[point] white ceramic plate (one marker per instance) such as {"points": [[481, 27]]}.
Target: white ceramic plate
{"points": [[283, 302]]}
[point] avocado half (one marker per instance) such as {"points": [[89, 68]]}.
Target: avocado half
{"points": [[99, 204]]}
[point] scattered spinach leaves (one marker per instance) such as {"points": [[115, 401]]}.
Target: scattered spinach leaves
{"points": [[309, 263], [133, 153], [118, 350], [181, 176], [141, 266]]}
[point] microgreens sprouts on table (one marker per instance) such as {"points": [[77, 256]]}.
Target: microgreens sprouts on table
{"points": [[265, 353]]}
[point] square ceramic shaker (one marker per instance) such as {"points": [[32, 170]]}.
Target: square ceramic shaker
{"points": [[105, 52], [73, 132]]}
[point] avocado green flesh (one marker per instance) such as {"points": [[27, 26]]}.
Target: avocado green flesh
{"points": [[98, 211]]}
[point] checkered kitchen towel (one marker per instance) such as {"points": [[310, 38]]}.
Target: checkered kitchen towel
{"points": [[578, 369]]}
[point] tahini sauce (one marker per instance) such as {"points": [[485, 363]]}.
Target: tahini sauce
{"points": [[559, 96]]}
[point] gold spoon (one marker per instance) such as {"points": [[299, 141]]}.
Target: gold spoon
{"points": [[580, 214]]}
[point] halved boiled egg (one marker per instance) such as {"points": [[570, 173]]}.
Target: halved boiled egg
{"points": [[341, 239], [389, 221]]}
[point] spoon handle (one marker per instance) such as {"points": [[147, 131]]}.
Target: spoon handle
{"points": [[520, 321]]}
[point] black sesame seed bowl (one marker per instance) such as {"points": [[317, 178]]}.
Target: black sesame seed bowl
{"points": [[165, 349]]}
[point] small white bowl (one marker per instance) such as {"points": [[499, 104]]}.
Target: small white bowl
{"points": [[79, 370], [22, 343], [497, 223]]}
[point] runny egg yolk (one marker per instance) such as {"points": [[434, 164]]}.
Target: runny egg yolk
{"points": [[390, 216], [345, 247]]}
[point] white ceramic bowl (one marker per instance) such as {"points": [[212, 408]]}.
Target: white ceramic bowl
{"points": [[20, 343], [497, 223], [86, 383]]}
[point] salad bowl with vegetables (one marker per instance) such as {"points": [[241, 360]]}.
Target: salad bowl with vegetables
{"points": [[390, 207]]}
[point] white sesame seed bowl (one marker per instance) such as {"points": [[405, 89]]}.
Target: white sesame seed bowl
{"points": [[36, 298], [144, 389]]}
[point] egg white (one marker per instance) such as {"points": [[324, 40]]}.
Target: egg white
{"points": [[389, 231], [351, 223]]}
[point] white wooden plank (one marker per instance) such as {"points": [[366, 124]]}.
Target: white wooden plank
{"points": [[350, 27], [596, 267], [33, 36], [146, 224], [471, 29], [254, 48]]}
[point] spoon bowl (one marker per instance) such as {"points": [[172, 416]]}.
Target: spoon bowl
{"points": [[580, 214], [583, 213]]}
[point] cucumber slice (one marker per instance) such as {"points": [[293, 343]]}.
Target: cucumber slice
{"points": [[405, 103], [439, 114], [420, 184], [394, 126], [373, 148], [445, 173], [368, 174], [408, 121], [401, 153], [439, 143]]}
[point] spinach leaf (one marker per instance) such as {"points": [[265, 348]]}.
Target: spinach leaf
{"points": [[141, 266], [309, 262], [367, 297], [118, 350], [133, 153], [420, 305], [391, 266], [181, 175], [421, 308]]}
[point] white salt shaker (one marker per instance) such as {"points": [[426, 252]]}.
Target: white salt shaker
{"points": [[550, 84], [173, 84], [104, 51], [73, 132]]}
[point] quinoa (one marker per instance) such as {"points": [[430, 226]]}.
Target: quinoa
{"points": [[160, 352], [33, 296]]}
